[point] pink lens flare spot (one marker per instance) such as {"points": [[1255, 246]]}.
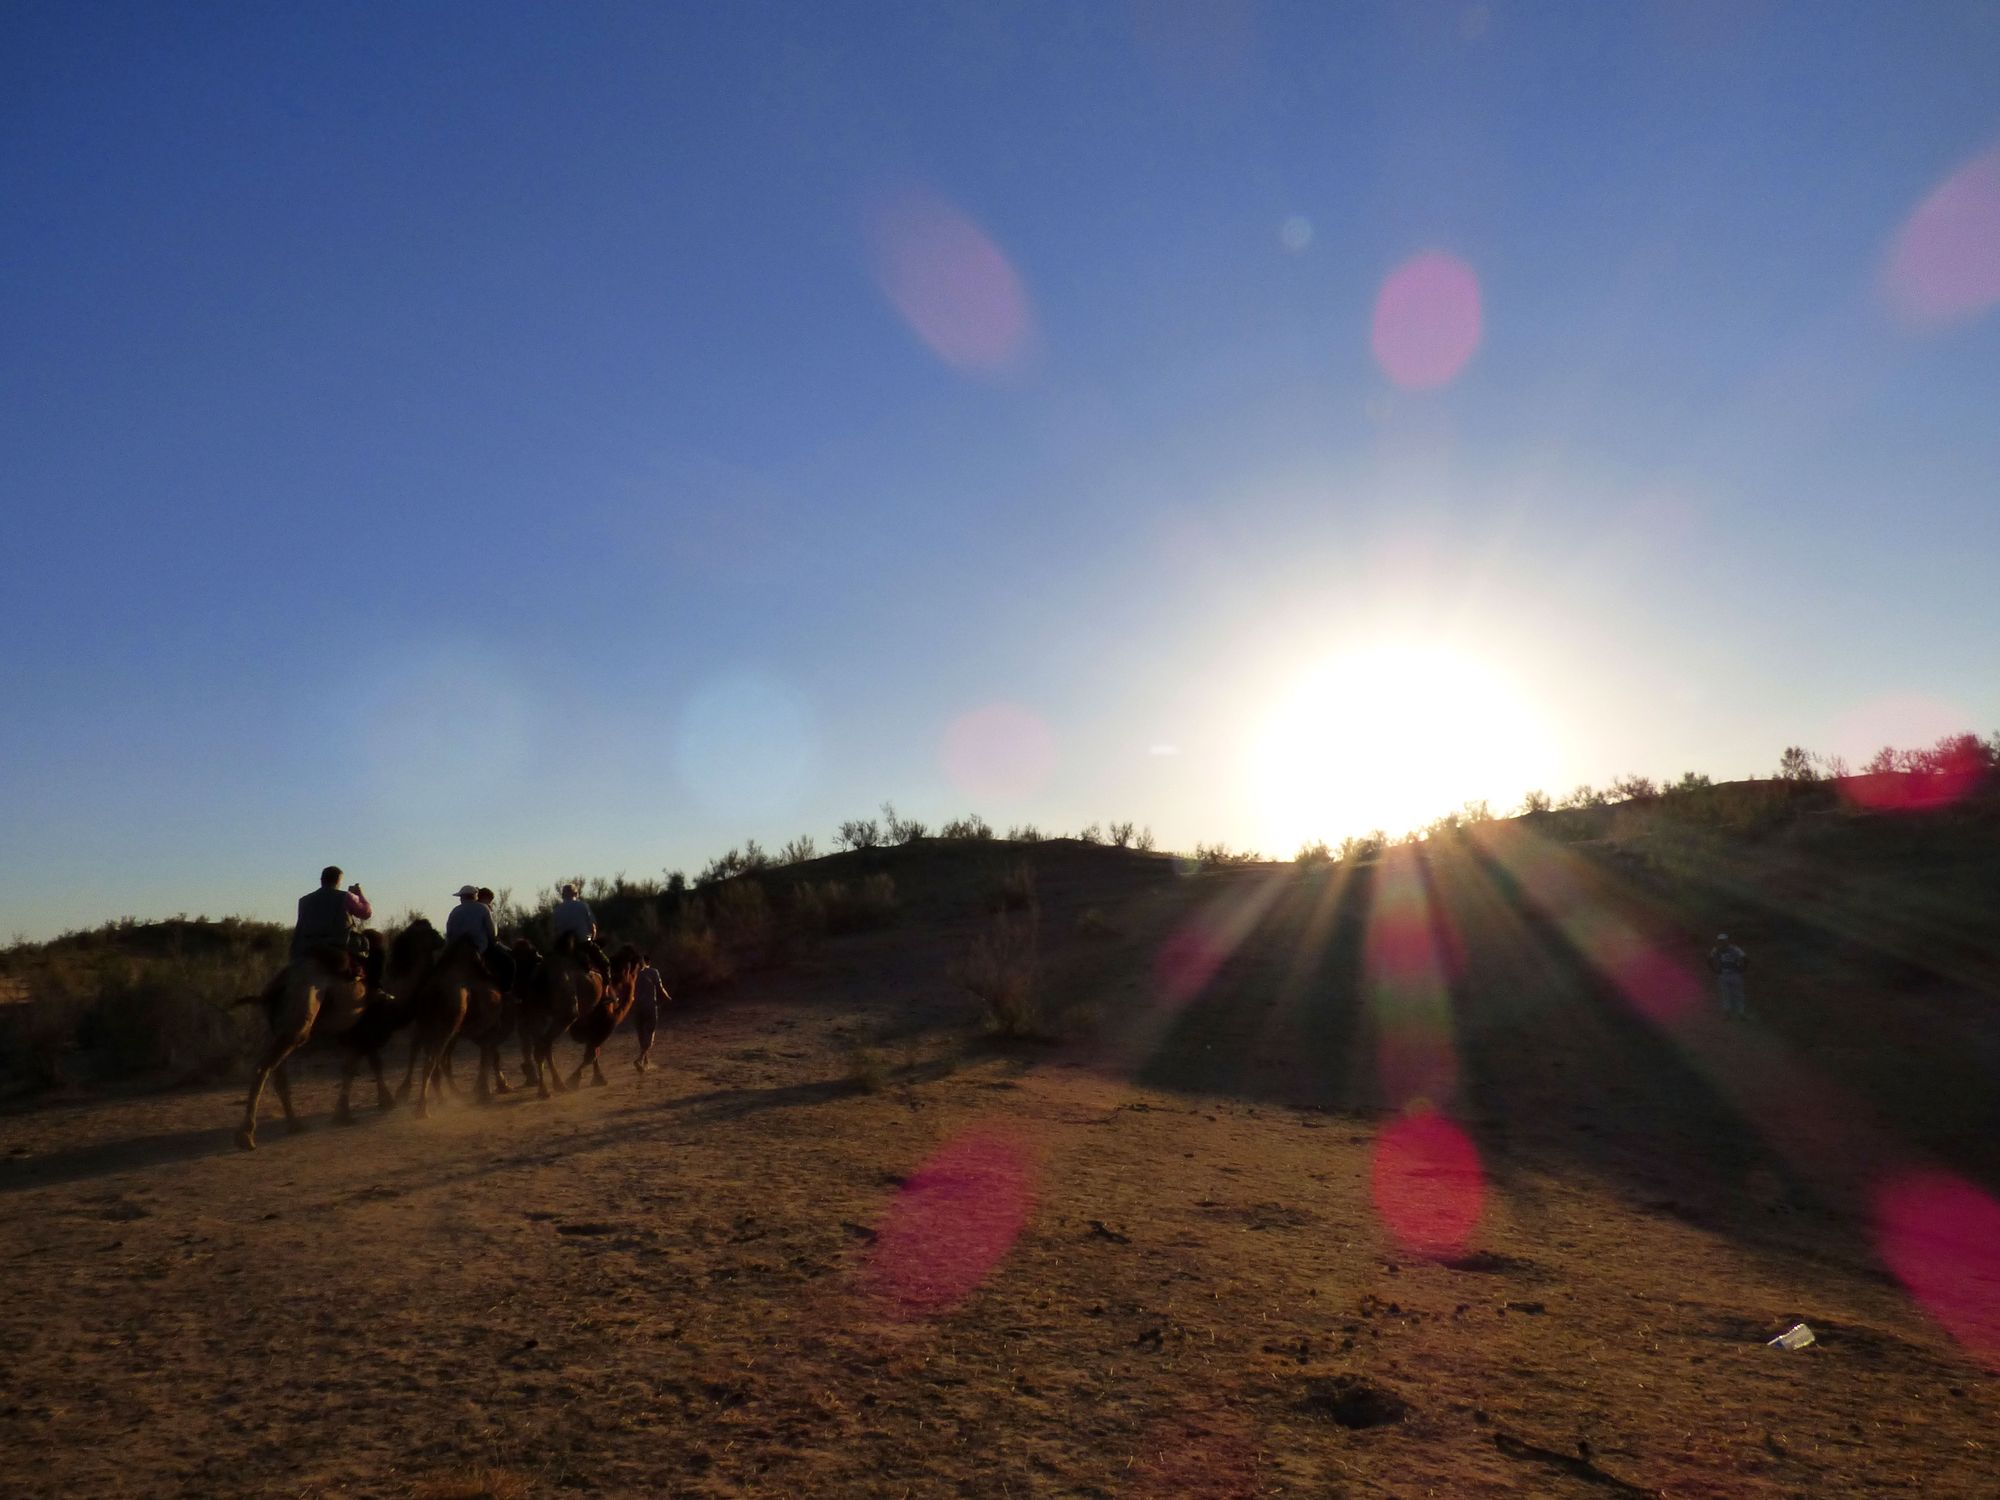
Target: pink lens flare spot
{"points": [[1940, 1236], [1188, 960], [952, 285], [1427, 1184], [1944, 266], [954, 1220], [1428, 321], [1660, 989], [1001, 751], [1938, 778]]}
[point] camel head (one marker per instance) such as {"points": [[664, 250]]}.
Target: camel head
{"points": [[416, 944]]}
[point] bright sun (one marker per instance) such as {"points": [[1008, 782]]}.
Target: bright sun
{"points": [[1390, 737]]}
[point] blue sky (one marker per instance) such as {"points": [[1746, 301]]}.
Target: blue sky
{"points": [[494, 442]]}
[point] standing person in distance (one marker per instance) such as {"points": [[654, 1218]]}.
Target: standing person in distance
{"points": [[1730, 964]]}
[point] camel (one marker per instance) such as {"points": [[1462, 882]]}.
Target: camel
{"points": [[322, 990], [390, 1007], [458, 994], [559, 989], [593, 1028]]}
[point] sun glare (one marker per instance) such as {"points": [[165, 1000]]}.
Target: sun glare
{"points": [[1390, 737]]}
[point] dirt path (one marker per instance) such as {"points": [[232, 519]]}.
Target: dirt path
{"points": [[994, 1274]]}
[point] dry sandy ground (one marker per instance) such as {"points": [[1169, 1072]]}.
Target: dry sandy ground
{"points": [[997, 1273]]}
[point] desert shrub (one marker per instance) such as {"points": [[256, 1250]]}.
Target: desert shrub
{"points": [[798, 851], [1002, 969], [866, 903], [1691, 781], [858, 833], [1796, 764], [1024, 833], [1477, 811], [742, 917], [1584, 796], [1094, 925], [691, 957], [1220, 856], [1121, 835], [1365, 847], [898, 829], [1534, 802], [677, 882], [1012, 888], [1634, 789], [1315, 853], [1144, 842], [971, 826], [1091, 833], [137, 997], [806, 911]]}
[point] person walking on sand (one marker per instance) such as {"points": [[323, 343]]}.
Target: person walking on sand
{"points": [[1730, 964], [649, 997]]}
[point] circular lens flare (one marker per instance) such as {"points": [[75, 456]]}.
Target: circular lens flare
{"points": [[1945, 264], [953, 1220], [1001, 751], [952, 285], [1428, 321], [1940, 1236], [1427, 1184]]}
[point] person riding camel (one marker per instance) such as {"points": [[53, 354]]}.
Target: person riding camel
{"points": [[329, 924], [330, 918], [574, 921], [472, 920]]}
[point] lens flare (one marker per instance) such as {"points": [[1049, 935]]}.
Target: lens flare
{"points": [[1001, 751], [1940, 1236], [951, 1223], [1944, 266], [1428, 321], [1427, 1184], [952, 285]]}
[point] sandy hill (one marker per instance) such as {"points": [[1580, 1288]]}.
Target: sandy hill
{"points": [[1432, 1173]]}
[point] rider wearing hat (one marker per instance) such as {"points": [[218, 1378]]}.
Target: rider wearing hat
{"points": [[471, 919]]}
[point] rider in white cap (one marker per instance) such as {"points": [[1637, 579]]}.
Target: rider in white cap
{"points": [[471, 919]]}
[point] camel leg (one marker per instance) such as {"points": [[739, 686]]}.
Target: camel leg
{"points": [[275, 1052], [491, 1052], [547, 1054], [425, 1077], [383, 1098], [283, 1080], [597, 1078], [480, 1092], [349, 1066], [410, 1068]]}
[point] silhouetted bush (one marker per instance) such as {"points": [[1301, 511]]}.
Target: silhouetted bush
{"points": [[971, 826], [859, 833]]}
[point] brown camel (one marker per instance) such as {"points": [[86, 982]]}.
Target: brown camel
{"points": [[594, 1027], [391, 1006], [458, 990], [560, 988], [492, 1011], [323, 990]]}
